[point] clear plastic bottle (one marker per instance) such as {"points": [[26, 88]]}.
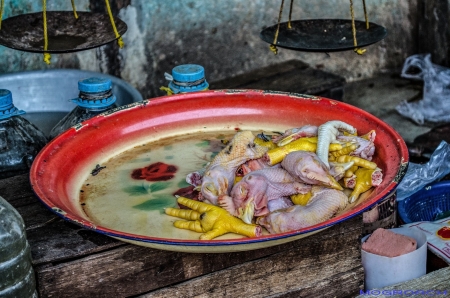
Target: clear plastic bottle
{"points": [[95, 97], [16, 273], [186, 78], [20, 140]]}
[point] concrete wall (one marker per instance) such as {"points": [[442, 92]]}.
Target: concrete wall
{"points": [[221, 35]]}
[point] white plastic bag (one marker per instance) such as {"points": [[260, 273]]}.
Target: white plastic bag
{"points": [[417, 176], [435, 105]]}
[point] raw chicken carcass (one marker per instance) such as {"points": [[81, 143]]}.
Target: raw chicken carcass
{"points": [[250, 196], [366, 147], [294, 134], [323, 205], [220, 173], [308, 168]]}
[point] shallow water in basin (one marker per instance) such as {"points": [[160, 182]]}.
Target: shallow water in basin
{"points": [[130, 191]]}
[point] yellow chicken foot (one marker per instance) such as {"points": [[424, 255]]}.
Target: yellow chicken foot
{"points": [[350, 172], [212, 221], [262, 140], [365, 179], [301, 199], [358, 161], [332, 156], [276, 155]]}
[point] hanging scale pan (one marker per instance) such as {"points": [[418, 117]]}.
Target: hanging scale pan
{"points": [[323, 35], [65, 33]]}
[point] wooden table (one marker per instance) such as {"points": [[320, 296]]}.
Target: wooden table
{"points": [[289, 76], [70, 261]]}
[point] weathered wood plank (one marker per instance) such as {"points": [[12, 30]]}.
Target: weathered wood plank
{"points": [[290, 76], [132, 270], [329, 275], [51, 238], [17, 191], [252, 77], [61, 250], [435, 281], [60, 240], [287, 284]]}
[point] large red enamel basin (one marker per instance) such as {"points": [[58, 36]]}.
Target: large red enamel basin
{"points": [[60, 170]]}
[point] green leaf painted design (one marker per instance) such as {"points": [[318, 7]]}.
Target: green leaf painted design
{"points": [[183, 184], [168, 147], [157, 186], [169, 157], [204, 143], [139, 190], [136, 190], [140, 160], [157, 202]]}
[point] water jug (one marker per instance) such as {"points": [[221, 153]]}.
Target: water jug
{"points": [[16, 273], [186, 78], [20, 140], [95, 97]]}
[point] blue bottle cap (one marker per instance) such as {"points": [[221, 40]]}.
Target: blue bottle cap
{"points": [[188, 73], [7, 108], [95, 93], [94, 85], [188, 78], [5, 99]]}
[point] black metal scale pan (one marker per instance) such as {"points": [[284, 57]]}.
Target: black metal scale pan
{"points": [[65, 33], [323, 35]]}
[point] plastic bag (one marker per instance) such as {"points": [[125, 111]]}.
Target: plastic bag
{"points": [[435, 105], [419, 175]]}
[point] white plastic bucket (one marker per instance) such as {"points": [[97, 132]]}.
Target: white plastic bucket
{"points": [[381, 271]]}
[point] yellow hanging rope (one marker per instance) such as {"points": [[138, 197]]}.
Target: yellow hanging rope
{"points": [[166, 89], [290, 15], [74, 10], [365, 14], [1, 12], [47, 56], [357, 50], [119, 40], [273, 46]]}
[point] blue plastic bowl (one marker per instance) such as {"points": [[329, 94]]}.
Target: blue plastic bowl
{"points": [[426, 204]]}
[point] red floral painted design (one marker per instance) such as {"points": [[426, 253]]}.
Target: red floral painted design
{"points": [[158, 171]]}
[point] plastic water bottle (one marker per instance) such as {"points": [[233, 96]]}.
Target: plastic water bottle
{"points": [[20, 140], [16, 273], [95, 97], [186, 78]]}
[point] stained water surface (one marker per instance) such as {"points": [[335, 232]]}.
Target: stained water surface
{"points": [[132, 189]]}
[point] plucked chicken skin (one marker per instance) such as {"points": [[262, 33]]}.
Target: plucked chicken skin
{"points": [[292, 180], [323, 205]]}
